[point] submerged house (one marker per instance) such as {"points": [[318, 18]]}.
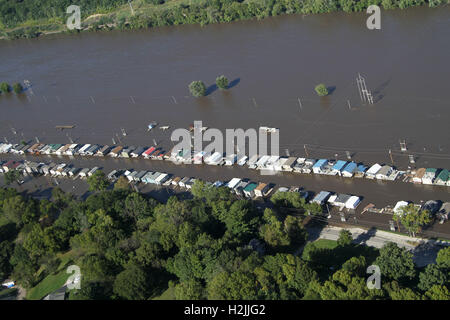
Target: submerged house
{"points": [[338, 167], [442, 178], [373, 170], [349, 170], [319, 166], [417, 178], [384, 172], [429, 176]]}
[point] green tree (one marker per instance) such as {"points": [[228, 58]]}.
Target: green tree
{"points": [[321, 90], [443, 258], [189, 290], [356, 266], [13, 208], [12, 176], [98, 181], [235, 286], [395, 263], [412, 218], [132, 283], [122, 184], [17, 87], [4, 87], [197, 88], [345, 238], [438, 293], [222, 82], [432, 275]]}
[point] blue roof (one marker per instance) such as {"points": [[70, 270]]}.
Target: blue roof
{"points": [[320, 163], [339, 165], [362, 168], [350, 167], [321, 196]]}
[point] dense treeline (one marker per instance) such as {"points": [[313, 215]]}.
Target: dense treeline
{"points": [[213, 246], [13, 13]]}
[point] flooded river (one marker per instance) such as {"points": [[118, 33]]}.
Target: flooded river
{"points": [[103, 82]]}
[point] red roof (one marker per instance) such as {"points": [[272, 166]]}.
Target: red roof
{"points": [[149, 151]]}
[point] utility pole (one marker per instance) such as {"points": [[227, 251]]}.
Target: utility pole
{"points": [[254, 102], [306, 151], [70, 139], [123, 132], [349, 106], [113, 141], [390, 155], [300, 103], [132, 100], [154, 142], [37, 139], [287, 153]]}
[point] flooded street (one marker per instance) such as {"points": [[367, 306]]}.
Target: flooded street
{"points": [[102, 82]]}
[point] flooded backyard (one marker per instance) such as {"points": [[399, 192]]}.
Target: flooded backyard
{"points": [[105, 82]]}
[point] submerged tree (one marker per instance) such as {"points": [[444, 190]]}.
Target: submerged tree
{"points": [[197, 88], [222, 82], [321, 90], [17, 87], [4, 87]]}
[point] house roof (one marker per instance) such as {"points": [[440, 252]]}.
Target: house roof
{"points": [[339, 165], [350, 167], [443, 175], [320, 163], [374, 169]]}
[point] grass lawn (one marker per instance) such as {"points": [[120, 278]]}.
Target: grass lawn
{"points": [[48, 285], [7, 293], [321, 244], [169, 294]]}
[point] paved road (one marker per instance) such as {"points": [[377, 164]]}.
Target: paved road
{"points": [[424, 251]]}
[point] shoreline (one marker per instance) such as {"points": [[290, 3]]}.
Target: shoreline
{"points": [[118, 19]]}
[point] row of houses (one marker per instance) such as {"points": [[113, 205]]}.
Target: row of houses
{"points": [[85, 150], [430, 176], [342, 168], [340, 200]]}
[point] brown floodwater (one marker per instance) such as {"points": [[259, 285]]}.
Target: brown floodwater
{"points": [[102, 82]]}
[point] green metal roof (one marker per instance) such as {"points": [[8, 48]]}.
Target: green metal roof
{"points": [[431, 170], [443, 175]]}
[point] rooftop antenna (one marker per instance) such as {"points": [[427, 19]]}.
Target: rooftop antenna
{"points": [[390, 155]]}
